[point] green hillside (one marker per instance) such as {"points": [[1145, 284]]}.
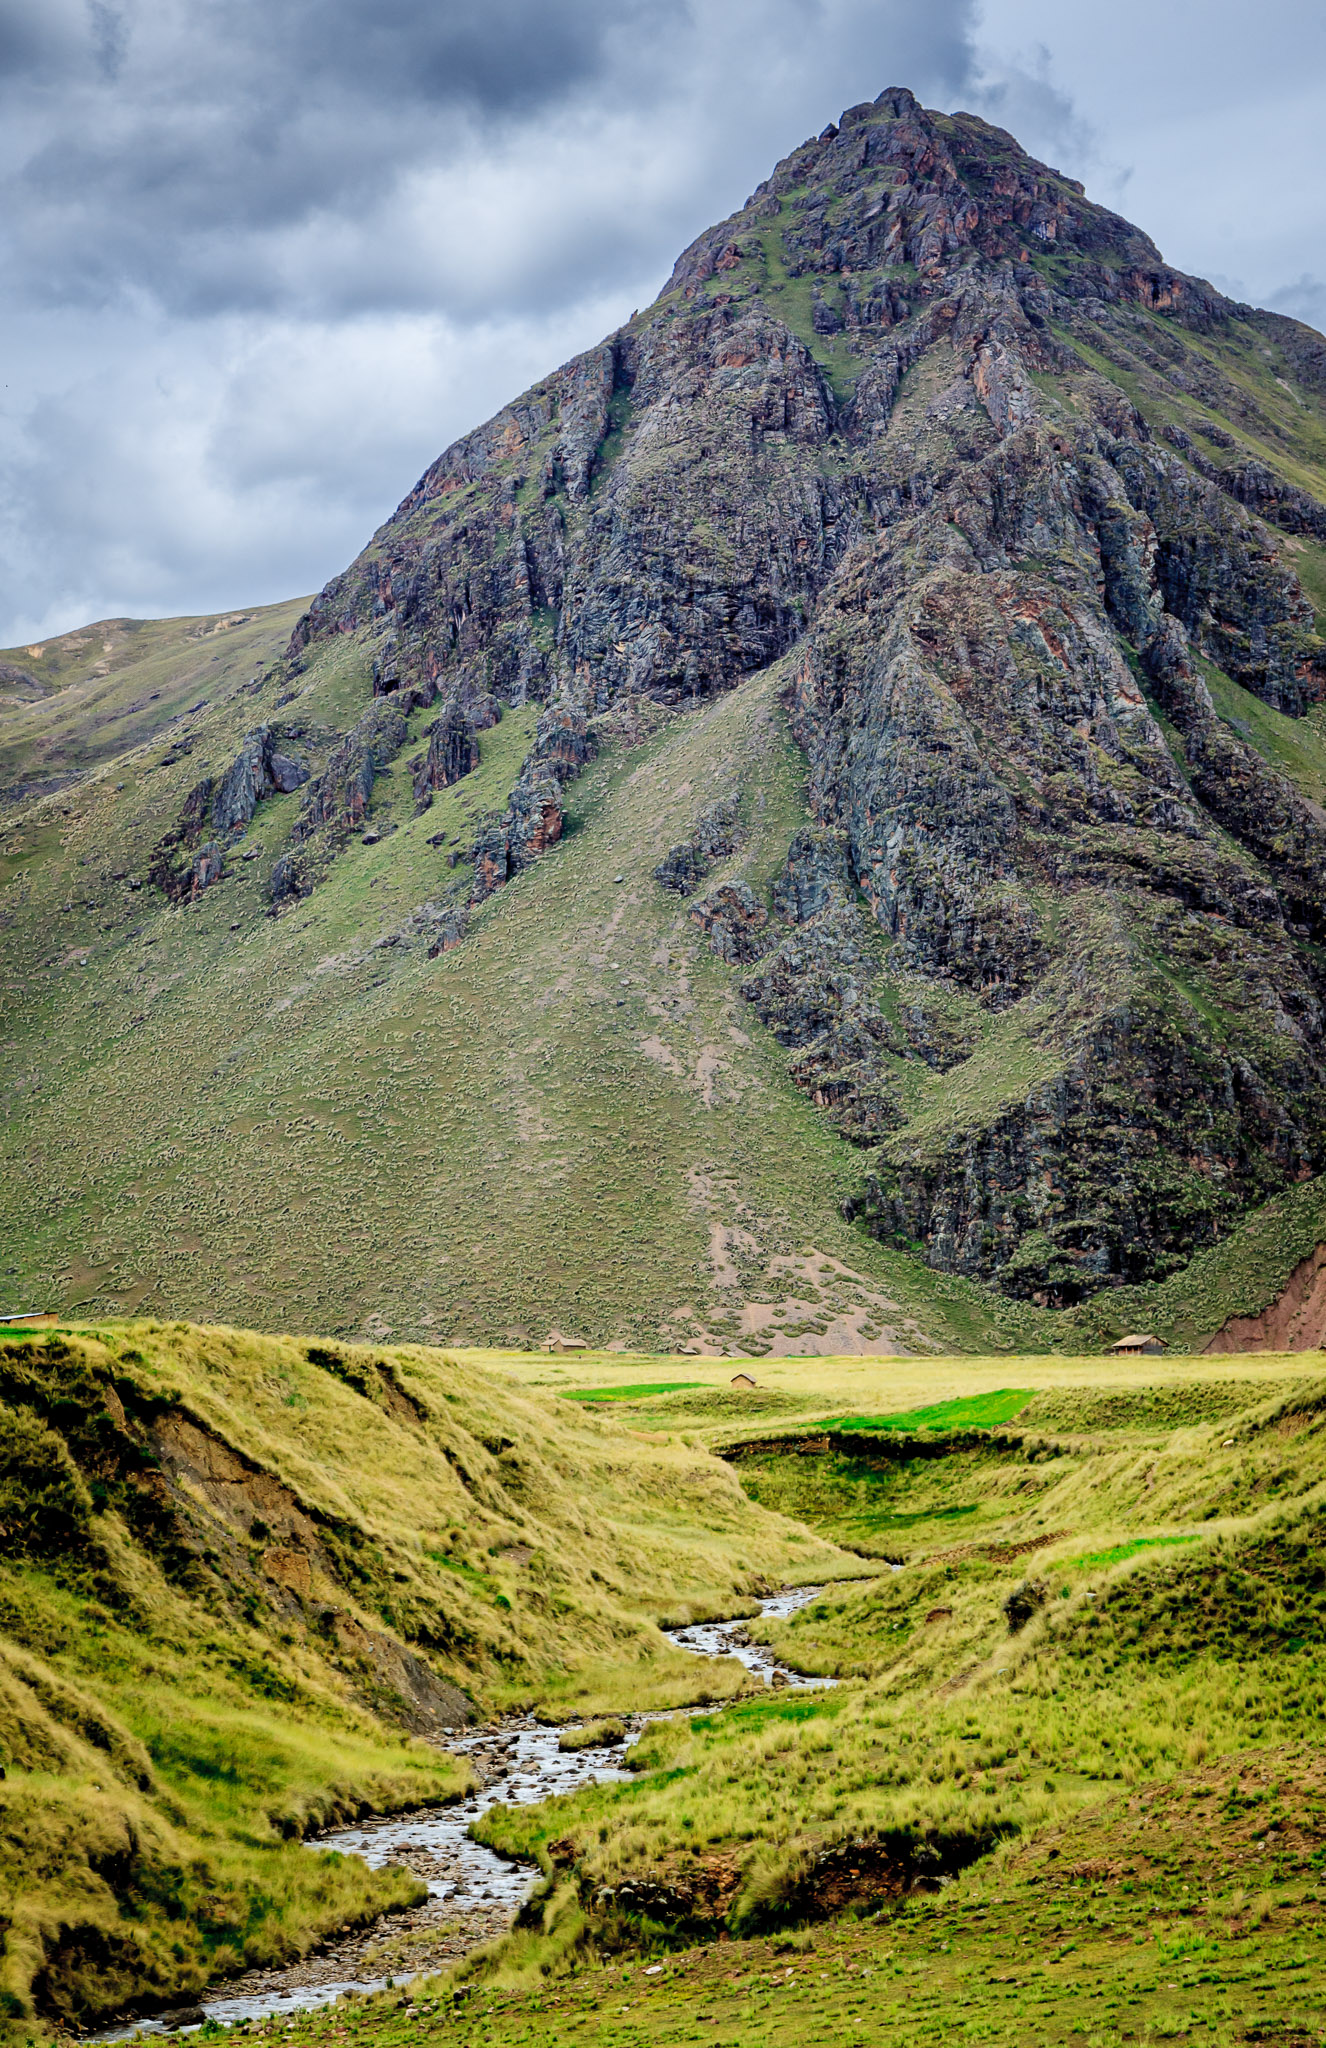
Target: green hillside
{"points": [[1068, 1783], [69, 703], [246, 1586], [309, 1120], [290, 1121]]}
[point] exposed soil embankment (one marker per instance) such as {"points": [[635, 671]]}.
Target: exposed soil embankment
{"points": [[1294, 1321], [694, 1895]]}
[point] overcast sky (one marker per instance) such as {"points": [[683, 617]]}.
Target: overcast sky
{"points": [[263, 259]]}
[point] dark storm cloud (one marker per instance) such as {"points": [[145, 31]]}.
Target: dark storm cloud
{"points": [[164, 137], [263, 261], [181, 150]]}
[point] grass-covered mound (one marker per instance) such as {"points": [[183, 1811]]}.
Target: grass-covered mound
{"points": [[246, 1581], [1181, 1909]]}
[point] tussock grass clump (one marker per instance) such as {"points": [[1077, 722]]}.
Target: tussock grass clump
{"points": [[1155, 1410], [592, 1735]]}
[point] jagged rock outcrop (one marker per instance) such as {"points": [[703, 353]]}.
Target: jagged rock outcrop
{"points": [[453, 744], [1224, 579], [338, 799], [1242, 792], [685, 866], [532, 823], [534, 814], [259, 770], [905, 425], [1272, 497], [294, 874], [436, 927], [180, 866], [181, 872], [815, 875], [734, 923], [815, 991], [439, 926]]}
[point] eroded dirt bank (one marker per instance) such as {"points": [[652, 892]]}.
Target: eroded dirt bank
{"points": [[1294, 1321]]}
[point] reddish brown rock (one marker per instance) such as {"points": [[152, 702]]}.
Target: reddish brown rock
{"points": [[1294, 1321], [734, 923]]}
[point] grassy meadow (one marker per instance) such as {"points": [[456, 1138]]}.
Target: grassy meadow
{"points": [[1068, 1781], [1094, 1599], [1163, 1915], [1068, 1786]]}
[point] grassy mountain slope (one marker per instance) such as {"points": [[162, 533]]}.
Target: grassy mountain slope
{"points": [[295, 1122], [247, 1582], [69, 703]]}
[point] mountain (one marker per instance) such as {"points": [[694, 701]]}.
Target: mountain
{"points": [[825, 789]]}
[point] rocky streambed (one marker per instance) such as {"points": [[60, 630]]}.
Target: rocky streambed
{"points": [[473, 1894]]}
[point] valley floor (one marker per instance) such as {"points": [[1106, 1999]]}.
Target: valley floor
{"points": [[1067, 1782]]}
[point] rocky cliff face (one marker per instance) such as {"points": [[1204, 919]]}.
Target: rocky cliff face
{"points": [[922, 423]]}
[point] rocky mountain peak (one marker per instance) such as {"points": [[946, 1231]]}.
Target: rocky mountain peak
{"points": [[1018, 534], [884, 423], [892, 185]]}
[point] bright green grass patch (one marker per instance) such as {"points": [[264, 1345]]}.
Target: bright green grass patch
{"points": [[971, 1411], [1097, 1560], [919, 1516], [630, 1393], [757, 1713], [1295, 746]]}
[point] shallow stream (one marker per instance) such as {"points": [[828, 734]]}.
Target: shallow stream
{"points": [[473, 1893]]}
